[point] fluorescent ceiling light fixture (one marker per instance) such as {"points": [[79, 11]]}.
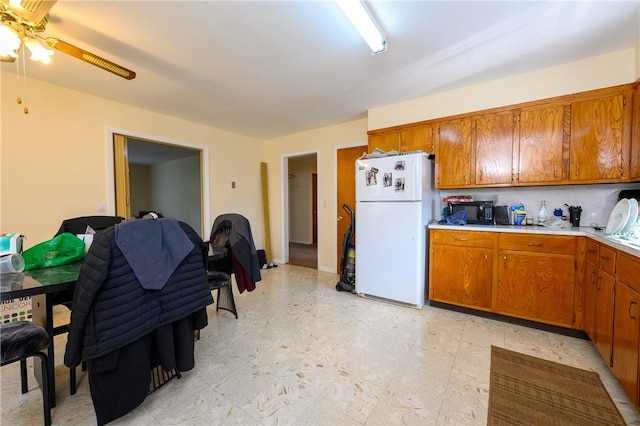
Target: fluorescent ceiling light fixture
{"points": [[363, 22]]}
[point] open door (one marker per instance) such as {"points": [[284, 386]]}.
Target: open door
{"points": [[121, 171], [346, 191]]}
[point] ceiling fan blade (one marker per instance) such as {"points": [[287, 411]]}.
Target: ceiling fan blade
{"points": [[90, 58]]}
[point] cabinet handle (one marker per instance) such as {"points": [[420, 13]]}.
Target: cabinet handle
{"points": [[554, 170], [504, 261], [461, 239], [598, 283], [593, 277], [605, 258], [486, 260], [629, 310], [577, 169], [535, 244]]}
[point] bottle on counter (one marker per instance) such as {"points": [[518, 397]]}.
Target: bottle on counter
{"points": [[542, 213]]}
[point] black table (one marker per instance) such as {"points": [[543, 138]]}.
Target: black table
{"points": [[42, 285]]}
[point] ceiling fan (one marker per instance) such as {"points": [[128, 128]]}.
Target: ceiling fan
{"points": [[21, 21]]}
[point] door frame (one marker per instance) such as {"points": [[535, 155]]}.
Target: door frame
{"points": [[204, 167], [284, 182]]}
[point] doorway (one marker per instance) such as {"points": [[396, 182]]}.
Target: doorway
{"points": [[166, 177], [303, 210], [345, 192]]}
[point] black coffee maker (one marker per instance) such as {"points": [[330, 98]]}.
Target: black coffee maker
{"points": [[574, 215]]}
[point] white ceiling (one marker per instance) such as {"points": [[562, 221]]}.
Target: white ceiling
{"points": [[271, 68]]}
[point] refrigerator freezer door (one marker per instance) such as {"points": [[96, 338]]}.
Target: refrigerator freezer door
{"points": [[395, 178], [390, 250]]}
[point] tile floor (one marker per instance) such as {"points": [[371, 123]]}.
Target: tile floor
{"points": [[302, 353]]}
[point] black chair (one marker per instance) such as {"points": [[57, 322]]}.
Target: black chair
{"points": [[79, 225], [219, 269], [221, 281], [21, 340]]}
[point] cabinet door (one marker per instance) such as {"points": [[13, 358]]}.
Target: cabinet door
{"points": [[635, 135], [494, 149], [590, 300], [454, 154], [416, 139], [536, 286], [386, 141], [604, 315], [540, 144], [596, 151], [462, 275], [625, 339]]}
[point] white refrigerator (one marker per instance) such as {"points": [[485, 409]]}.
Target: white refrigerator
{"points": [[395, 201]]}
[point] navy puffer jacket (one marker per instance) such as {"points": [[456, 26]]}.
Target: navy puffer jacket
{"points": [[111, 309]]}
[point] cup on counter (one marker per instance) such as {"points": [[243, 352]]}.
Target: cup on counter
{"points": [[11, 264]]}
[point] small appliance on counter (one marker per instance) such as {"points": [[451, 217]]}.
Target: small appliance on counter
{"points": [[574, 215], [478, 212], [502, 215]]}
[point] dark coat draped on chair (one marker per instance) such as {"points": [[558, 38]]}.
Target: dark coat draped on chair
{"points": [[141, 293], [243, 257]]}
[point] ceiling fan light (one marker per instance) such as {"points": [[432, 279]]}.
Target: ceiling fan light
{"points": [[9, 41], [38, 52]]}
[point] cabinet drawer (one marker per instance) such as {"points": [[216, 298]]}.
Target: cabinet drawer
{"points": [[560, 244], [593, 252], [463, 238], [607, 259], [629, 271]]}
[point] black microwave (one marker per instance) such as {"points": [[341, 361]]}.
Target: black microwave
{"points": [[478, 212]]}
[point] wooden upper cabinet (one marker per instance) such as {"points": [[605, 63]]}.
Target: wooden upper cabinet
{"points": [[454, 154], [386, 141], [598, 149], [541, 134], [494, 136], [416, 139], [635, 135]]}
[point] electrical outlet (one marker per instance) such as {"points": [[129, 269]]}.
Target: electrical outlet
{"points": [[102, 206]]}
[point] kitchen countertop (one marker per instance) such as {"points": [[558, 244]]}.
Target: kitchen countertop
{"points": [[631, 247]]}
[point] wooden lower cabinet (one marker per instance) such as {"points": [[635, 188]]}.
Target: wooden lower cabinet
{"points": [[536, 278], [626, 325], [604, 316], [598, 297], [612, 312], [463, 275], [536, 286], [461, 268], [530, 277], [625, 339]]}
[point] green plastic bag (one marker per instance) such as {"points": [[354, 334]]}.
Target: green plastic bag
{"points": [[60, 250]]}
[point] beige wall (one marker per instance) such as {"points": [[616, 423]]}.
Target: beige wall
{"points": [[324, 142], [593, 73], [54, 161]]}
